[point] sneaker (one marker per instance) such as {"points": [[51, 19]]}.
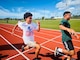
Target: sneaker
{"points": [[56, 52], [22, 48], [36, 59]]}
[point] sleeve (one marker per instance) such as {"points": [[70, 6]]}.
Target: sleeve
{"points": [[62, 23], [35, 26], [20, 24]]}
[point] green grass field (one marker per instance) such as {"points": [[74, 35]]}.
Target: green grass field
{"points": [[51, 24]]}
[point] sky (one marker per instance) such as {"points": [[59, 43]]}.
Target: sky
{"points": [[39, 8]]}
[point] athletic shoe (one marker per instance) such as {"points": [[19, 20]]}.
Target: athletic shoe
{"points": [[56, 52], [37, 59], [22, 48]]}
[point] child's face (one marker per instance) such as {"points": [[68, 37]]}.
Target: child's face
{"points": [[68, 16], [29, 19]]}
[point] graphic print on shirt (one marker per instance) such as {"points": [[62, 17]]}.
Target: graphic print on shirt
{"points": [[29, 32]]}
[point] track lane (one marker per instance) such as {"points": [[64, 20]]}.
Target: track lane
{"points": [[59, 38]]}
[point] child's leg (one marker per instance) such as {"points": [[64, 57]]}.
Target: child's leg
{"points": [[69, 49], [66, 52], [38, 47], [34, 45], [26, 47], [69, 53]]}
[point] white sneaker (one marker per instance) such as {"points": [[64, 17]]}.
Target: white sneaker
{"points": [[22, 48], [56, 52]]}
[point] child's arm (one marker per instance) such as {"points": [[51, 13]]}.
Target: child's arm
{"points": [[71, 31], [38, 23], [14, 28]]}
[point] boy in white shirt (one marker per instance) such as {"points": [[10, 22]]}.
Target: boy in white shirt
{"points": [[28, 35]]}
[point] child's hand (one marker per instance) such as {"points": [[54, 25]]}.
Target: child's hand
{"points": [[38, 22], [72, 32], [12, 32]]}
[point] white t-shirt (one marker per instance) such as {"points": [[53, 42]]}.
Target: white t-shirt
{"points": [[28, 34]]}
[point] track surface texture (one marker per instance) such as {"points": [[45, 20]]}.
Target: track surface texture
{"points": [[10, 45]]}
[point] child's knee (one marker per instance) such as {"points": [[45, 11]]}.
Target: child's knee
{"points": [[38, 46]]}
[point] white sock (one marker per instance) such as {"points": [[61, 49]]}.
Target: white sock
{"points": [[60, 50]]}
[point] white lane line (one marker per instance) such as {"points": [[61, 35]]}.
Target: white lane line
{"points": [[42, 46], [14, 48], [42, 28], [59, 43], [35, 32], [50, 40], [45, 38], [51, 50], [62, 43], [28, 50], [48, 49], [42, 33], [19, 54], [76, 40], [38, 36], [34, 35], [32, 48], [54, 30]]}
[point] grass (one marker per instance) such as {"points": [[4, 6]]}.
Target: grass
{"points": [[9, 21], [52, 24], [75, 24]]}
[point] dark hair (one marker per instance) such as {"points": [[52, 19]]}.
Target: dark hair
{"points": [[27, 14], [66, 12]]}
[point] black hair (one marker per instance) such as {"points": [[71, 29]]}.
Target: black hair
{"points": [[27, 14], [66, 12]]}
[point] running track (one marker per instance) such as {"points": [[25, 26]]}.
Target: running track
{"points": [[10, 45]]}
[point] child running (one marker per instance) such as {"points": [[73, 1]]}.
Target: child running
{"points": [[28, 35], [66, 37]]}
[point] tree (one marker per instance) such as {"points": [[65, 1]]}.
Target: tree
{"points": [[43, 18], [7, 19], [52, 17], [76, 16]]}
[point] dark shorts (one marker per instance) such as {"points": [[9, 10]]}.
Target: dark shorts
{"points": [[68, 45]]}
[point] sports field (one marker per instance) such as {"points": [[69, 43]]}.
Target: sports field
{"points": [[47, 14]]}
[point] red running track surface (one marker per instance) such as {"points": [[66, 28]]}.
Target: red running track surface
{"points": [[48, 39]]}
